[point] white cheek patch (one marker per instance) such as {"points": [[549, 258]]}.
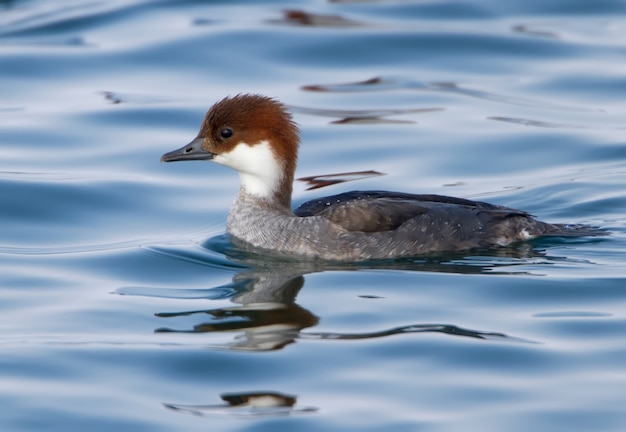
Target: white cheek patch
{"points": [[259, 171]]}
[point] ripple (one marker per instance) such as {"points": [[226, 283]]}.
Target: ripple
{"points": [[216, 293], [45, 16], [302, 18], [369, 116], [323, 180], [572, 314], [384, 83], [70, 249], [534, 31], [118, 98], [538, 123], [448, 329], [196, 254]]}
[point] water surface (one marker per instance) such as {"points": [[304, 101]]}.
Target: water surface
{"points": [[124, 308]]}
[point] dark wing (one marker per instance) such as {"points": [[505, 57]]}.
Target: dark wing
{"points": [[371, 211]]}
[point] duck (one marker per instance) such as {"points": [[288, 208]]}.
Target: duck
{"points": [[256, 136]]}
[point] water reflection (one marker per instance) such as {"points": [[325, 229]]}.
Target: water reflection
{"points": [[538, 123], [264, 314], [261, 403], [323, 180], [532, 31], [367, 116], [268, 315], [388, 83], [299, 17]]}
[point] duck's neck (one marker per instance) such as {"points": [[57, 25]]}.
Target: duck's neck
{"points": [[269, 191], [270, 188], [261, 220]]}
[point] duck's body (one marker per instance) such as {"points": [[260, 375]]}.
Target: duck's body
{"points": [[254, 135]]}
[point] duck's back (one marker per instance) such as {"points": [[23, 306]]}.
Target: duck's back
{"points": [[410, 224]]}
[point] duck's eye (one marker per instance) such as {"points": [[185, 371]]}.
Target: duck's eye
{"points": [[226, 133]]}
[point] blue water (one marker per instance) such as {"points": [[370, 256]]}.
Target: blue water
{"points": [[122, 307]]}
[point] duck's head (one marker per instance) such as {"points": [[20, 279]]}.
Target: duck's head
{"points": [[254, 135]]}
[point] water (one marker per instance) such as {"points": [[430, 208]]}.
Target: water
{"points": [[121, 310]]}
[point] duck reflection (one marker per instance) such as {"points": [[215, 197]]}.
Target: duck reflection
{"points": [[261, 403], [267, 312], [265, 316]]}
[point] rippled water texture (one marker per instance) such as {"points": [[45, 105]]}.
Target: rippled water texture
{"points": [[123, 307]]}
